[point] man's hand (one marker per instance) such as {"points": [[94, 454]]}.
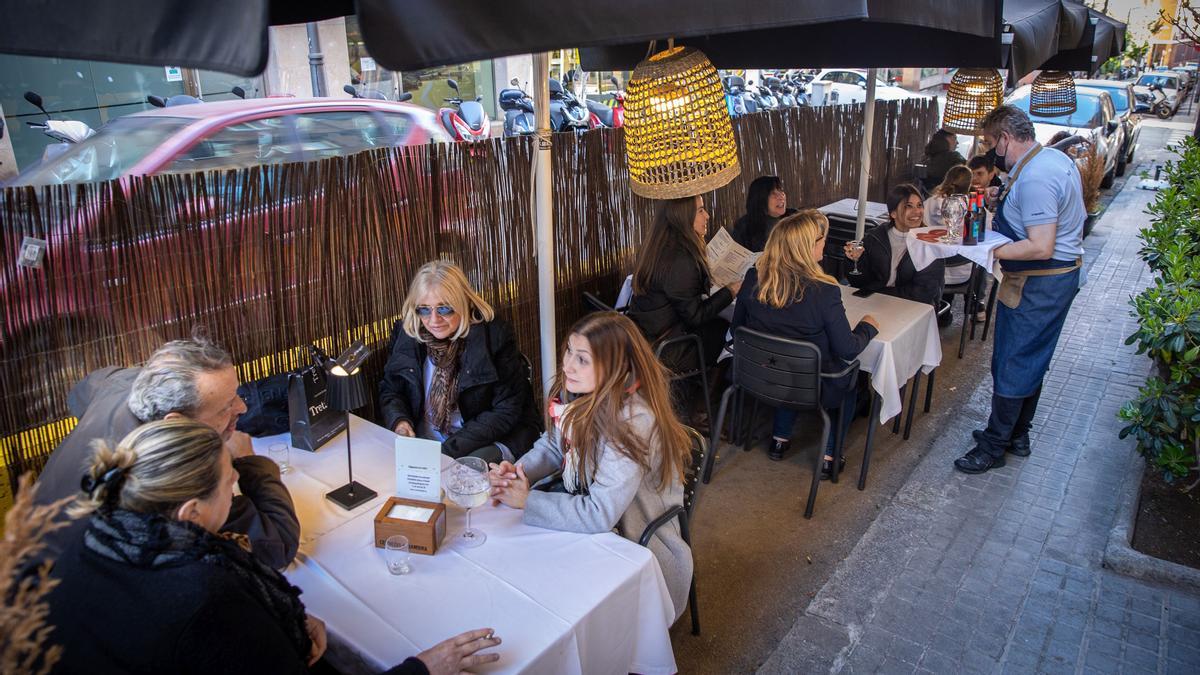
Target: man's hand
{"points": [[457, 654], [403, 428], [240, 445], [316, 632]]}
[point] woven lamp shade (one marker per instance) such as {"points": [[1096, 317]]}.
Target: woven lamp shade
{"points": [[1053, 94], [974, 92], [678, 135]]}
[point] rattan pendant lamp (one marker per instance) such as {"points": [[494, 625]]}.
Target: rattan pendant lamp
{"points": [[974, 92], [1053, 94], [678, 135]]}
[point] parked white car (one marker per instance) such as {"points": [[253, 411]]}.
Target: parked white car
{"points": [[1169, 82], [851, 86], [1095, 118]]}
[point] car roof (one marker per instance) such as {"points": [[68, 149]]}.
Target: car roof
{"points": [[1079, 89], [255, 106], [1103, 84]]}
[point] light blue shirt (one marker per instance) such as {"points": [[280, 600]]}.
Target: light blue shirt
{"points": [[1049, 190]]}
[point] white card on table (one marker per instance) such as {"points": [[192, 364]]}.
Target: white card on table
{"points": [[418, 469]]}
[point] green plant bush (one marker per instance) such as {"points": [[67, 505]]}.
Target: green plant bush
{"points": [[1164, 419]]}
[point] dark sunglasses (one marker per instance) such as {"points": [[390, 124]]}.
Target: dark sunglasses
{"points": [[442, 310]]}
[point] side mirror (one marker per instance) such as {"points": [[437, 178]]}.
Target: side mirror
{"points": [[238, 92], [349, 89], [615, 82], [514, 82], [1112, 125], [453, 85], [479, 99], [404, 96], [156, 101], [34, 98]]}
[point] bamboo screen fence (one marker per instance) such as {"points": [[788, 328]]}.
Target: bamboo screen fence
{"points": [[272, 258]]}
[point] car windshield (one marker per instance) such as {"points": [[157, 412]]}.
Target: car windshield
{"points": [[1087, 111], [1165, 81], [115, 149], [1119, 96]]}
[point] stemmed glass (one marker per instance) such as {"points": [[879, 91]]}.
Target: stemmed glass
{"points": [[468, 486], [856, 245], [954, 208]]}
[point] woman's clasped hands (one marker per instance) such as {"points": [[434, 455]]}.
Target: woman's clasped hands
{"points": [[510, 486]]}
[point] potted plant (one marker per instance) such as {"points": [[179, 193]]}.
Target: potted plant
{"points": [[1091, 174]]}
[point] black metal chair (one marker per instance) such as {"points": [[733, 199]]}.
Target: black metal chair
{"points": [[967, 290], [781, 373], [699, 371], [596, 303], [691, 481], [991, 308]]}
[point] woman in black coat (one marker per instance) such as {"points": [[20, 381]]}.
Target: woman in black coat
{"points": [[788, 294], [671, 282], [941, 153], [884, 261], [766, 203], [151, 587], [455, 374]]}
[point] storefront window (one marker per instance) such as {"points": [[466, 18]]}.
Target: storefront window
{"points": [[364, 72], [430, 89]]}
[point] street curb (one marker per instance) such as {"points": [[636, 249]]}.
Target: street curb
{"points": [[1119, 555]]}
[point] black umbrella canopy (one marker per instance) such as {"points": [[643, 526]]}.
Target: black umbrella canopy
{"points": [[1047, 32], [1103, 38]]}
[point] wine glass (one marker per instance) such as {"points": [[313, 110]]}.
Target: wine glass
{"points": [[954, 208], [468, 486], [856, 245]]}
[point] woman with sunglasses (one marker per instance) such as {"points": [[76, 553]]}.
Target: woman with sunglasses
{"points": [[455, 374]]}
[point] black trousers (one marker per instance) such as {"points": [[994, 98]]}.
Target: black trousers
{"points": [[1011, 418]]}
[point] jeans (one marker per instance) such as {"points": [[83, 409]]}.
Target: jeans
{"points": [[786, 419]]}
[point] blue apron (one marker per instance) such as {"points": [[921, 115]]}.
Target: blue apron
{"points": [[1027, 336]]}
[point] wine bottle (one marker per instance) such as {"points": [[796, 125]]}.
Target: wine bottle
{"points": [[969, 223]]}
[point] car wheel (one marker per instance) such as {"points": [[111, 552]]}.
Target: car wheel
{"points": [[1108, 179], [1121, 165]]}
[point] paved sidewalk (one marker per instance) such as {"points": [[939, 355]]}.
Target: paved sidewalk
{"points": [[1002, 572]]}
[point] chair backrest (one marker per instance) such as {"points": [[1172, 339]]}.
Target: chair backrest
{"points": [[625, 295], [781, 372], [528, 366], [596, 303], [691, 476]]}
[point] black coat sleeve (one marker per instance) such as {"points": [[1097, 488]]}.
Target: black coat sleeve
{"points": [[845, 344], [233, 633], [264, 512], [511, 396], [875, 263], [684, 290], [395, 390]]}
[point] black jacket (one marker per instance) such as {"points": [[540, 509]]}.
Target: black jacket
{"points": [[876, 266], [677, 298], [194, 617], [264, 511], [819, 317], [495, 398], [758, 240], [938, 164]]}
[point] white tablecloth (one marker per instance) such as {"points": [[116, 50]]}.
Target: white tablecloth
{"points": [[561, 602], [924, 253], [908, 339]]}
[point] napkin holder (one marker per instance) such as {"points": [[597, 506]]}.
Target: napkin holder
{"points": [[424, 536]]}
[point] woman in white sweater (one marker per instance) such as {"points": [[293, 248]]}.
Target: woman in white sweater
{"points": [[615, 439]]}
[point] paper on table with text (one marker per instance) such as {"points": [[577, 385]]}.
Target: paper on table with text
{"points": [[418, 469], [728, 261]]}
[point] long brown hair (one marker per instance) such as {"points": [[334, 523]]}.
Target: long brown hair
{"points": [[624, 366], [672, 226], [787, 265], [956, 182]]}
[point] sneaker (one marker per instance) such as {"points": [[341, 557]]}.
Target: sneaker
{"points": [[777, 449], [827, 468]]}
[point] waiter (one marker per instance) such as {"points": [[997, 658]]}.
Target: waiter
{"points": [[1041, 210]]}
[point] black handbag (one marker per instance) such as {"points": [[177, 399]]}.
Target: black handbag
{"points": [[266, 402]]}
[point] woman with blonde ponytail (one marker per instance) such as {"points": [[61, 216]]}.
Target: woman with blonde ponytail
{"points": [[615, 438], [152, 587], [789, 295]]}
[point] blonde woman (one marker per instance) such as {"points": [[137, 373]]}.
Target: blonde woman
{"points": [[616, 440], [789, 295], [152, 587], [455, 374]]}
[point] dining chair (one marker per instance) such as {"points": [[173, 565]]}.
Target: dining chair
{"points": [[782, 373], [691, 480]]}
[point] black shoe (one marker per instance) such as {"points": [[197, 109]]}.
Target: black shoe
{"points": [[1019, 446], [777, 449], [827, 468], [978, 461]]}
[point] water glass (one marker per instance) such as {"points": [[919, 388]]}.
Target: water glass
{"points": [[395, 552], [281, 453]]}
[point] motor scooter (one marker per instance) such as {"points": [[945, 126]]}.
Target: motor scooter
{"points": [[566, 113], [467, 120], [607, 116], [518, 111], [1159, 104], [66, 132]]}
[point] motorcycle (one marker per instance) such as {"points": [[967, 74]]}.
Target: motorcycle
{"points": [[766, 101], [566, 113], [609, 116], [780, 92], [1159, 104], [518, 111], [365, 92], [467, 120], [737, 99], [66, 132]]}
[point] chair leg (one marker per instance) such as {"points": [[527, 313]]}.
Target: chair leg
{"points": [[872, 422], [967, 318], [692, 606], [816, 477], [912, 403], [929, 389], [991, 305], [896, 423], [749, 426], [707, 401], [972, 298], [714, 432], [837, 445]]}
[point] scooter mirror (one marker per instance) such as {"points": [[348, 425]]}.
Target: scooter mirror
{"points": [[238, 92], [479, 99], [349, 89], [405, 96], [35, 99], [615, 82], [156, 101], [453, 84], [514, 82]]}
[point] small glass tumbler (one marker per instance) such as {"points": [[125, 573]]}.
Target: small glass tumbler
{"points": [[282, 455], [395, 552]]}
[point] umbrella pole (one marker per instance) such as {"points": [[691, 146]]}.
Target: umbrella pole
{"points": [[544, 219], [865, 158]]}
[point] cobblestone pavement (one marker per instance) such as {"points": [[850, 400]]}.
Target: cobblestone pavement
{"points": [[1001, 573]]}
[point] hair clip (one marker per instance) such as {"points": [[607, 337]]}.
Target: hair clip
{"points": [[89, 484]]}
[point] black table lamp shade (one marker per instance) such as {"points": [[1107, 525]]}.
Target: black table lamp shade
{"points": [[348, 392]]}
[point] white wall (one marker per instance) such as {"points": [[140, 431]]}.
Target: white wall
{"points": [[287, 64]]}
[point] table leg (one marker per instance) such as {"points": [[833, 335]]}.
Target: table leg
{"points": [[991, 306], [929, 389], [872, 422], [896, 422], [912, 403]]}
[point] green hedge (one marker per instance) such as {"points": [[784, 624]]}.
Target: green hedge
{"points": [[1165, 417]]}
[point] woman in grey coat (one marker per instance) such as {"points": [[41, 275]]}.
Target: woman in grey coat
{"points": [[617, 443]]}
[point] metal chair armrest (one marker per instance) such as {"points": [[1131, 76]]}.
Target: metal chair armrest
{"points": [[597, 303], [851, 367], [663, 343], [652, 526]]}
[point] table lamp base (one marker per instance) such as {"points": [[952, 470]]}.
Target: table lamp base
{"points": [[351, 495]]}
